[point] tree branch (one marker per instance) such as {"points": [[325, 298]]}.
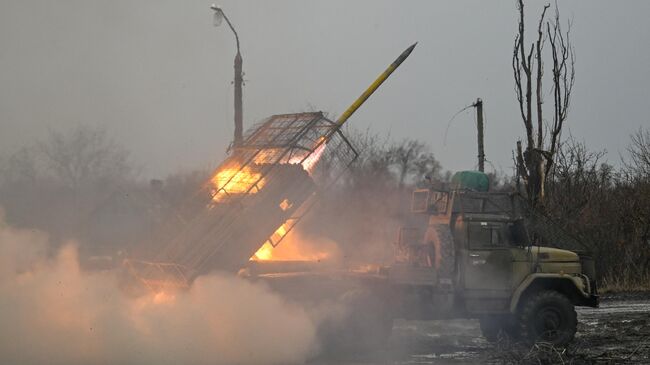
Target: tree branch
{"points": [[540, 73]]}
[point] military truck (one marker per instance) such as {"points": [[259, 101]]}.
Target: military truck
{"points": [[470, 253], [465, 252]]}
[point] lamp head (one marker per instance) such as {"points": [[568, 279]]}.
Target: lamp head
{"points": [[218, 15]]}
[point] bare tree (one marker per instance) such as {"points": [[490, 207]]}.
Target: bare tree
{"points": [[637, 172], [639, 150], [412, 157], [536, 159], [372, 167], [20, 167], [85, 155], [427, 165]]}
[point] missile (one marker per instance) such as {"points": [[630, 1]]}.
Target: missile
{"points": [[374, 86]]}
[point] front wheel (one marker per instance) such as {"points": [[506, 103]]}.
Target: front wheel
{"points": [[548, 316]]}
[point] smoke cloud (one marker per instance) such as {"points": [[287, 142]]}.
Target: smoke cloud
{"points": [[53, 312]]}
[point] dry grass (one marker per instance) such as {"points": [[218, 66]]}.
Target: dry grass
{"points": [[577, 353], [541, 353], [624, 283]]}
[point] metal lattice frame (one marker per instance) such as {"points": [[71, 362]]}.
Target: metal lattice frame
{"points": [[268, 182]]}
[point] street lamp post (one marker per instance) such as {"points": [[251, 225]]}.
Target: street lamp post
{"points": [[239, 79]]}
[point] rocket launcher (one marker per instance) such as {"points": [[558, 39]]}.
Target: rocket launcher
{"points": [[256, 196]]}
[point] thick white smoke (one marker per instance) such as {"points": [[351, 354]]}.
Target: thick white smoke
{"points": [[52, 312]]}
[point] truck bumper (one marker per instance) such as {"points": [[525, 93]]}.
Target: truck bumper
{"points": [[591, 301]]}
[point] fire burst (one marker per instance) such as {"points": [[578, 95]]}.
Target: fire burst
{"points": [[310, 162], [236, 180], [266, 252]]}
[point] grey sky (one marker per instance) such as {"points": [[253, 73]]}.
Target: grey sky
{"points": [[157, 73]]}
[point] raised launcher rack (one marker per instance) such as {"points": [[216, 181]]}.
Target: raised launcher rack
{"points": [[257, 195]]}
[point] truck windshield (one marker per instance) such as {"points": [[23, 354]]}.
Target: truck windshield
{"points": [[495, 235]]}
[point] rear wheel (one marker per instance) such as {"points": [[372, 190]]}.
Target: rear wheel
{"points": [[548, 316]]}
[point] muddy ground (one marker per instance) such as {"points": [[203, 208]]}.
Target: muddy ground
{"points": [[616, 333]]}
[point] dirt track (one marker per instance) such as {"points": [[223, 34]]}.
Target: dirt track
{"points": [[617, 332]]}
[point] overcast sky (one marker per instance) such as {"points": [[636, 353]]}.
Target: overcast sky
{"points": [[157, 74]]}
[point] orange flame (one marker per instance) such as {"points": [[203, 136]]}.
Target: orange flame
{"points": [[234, 180], [266, 251], [163, 297], [297, 248], [310, 162]]}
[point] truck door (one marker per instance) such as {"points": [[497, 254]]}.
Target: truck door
{"points": [[488, 265]]}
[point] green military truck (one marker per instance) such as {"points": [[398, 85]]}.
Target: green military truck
{"points": [[465, 253], [469, 253]]}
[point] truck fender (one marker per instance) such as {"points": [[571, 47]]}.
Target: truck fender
{"points": [[569, 285]]}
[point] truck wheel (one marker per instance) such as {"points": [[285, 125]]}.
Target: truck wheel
{"points": [[548, 316]]}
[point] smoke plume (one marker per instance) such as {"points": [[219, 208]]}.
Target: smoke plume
{"points": [[53, 312]]}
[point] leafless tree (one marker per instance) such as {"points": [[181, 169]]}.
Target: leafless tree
{"points": [[535, 160], [412, 157], [85, 155], [428, 166], [372, 167], [20, 167], [637, 173], [639, 151], [578, 179]]}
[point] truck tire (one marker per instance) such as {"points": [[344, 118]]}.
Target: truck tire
{"points": [[548, 316]]}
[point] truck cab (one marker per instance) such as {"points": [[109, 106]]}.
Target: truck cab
{"points": [[474, 254]]}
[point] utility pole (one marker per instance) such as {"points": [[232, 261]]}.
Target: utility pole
{"points": [[239, 117], [479, 125]]}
